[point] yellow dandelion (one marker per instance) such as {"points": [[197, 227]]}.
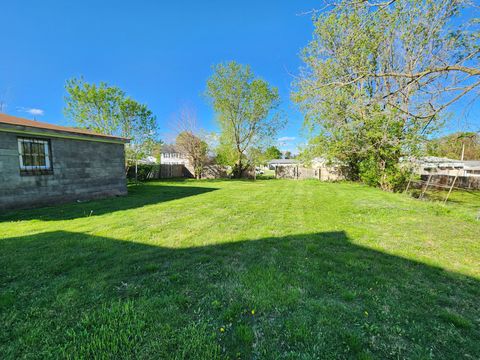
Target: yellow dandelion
{"points": [[253, 312], [222, 329]]}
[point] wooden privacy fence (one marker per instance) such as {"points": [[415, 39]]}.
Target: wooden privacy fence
{"points": [[169, 171], [165, 171], [158, 171]]}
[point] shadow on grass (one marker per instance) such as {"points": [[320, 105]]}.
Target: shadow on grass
{"points": [[138, 196], [305, 296]]}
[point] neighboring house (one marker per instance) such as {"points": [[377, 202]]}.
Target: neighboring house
{"points": [[149, 160], [471, 167], [444, 166], [327, 170], [171, 155], [445, 172], [272, 164], [44, 164]]}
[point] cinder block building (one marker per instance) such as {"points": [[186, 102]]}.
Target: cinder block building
{"points": [[44, 164]]}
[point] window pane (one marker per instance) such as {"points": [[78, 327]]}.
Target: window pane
{"points": [[34, 154], [41, 160], [28, 160], [26, 148]]}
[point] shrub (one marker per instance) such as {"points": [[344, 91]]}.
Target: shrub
{"points": [[144, 172]]}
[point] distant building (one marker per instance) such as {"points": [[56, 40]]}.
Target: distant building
{"points": [[318, 168], [444, 166], [444, 172], [171, 155], [472, 167], [327, 170], [272, 164], [148, 160]]}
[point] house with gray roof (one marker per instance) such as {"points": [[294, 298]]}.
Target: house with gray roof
{"points": [[272, 164]]}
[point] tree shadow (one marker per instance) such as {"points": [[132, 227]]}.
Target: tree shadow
{"points": [[138, 196], [312, 296]]}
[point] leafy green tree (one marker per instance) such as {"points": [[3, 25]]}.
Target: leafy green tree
{"points": [[272, 152], [451, 146], [225, 153], [138, 124], [107, 110], [95, 107], [377, 78], [246, 110]]}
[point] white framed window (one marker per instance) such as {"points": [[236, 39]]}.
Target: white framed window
{"points": [[35, 155]]}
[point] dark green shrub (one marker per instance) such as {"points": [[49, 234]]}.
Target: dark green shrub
{"points": [[144, 172]]}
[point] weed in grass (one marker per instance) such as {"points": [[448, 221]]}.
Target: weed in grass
{"points": [[456, 319]]}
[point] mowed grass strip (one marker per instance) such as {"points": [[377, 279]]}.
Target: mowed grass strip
{"points": [[269, 269]]}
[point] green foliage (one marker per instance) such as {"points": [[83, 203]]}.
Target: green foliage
{"points": [[388, 175], [139, 125], [107, 110], [144, 172], [450, 146], [367, 90], [226, 153], [272, 152], [246, 110], [456, 319], [95, 107]]}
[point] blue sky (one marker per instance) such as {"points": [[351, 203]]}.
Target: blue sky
{"points": [[158, 52]]}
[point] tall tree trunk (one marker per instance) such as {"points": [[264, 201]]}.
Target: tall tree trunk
{"points": [[238, 169]]}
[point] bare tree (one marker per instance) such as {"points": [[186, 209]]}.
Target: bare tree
{"points": [[189, 140], [422, 63]]}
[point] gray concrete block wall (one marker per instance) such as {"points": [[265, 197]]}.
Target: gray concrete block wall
{"points": [[82, 170]]}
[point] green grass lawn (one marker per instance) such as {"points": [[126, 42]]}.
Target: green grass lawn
{"points": [[273, 269]]}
